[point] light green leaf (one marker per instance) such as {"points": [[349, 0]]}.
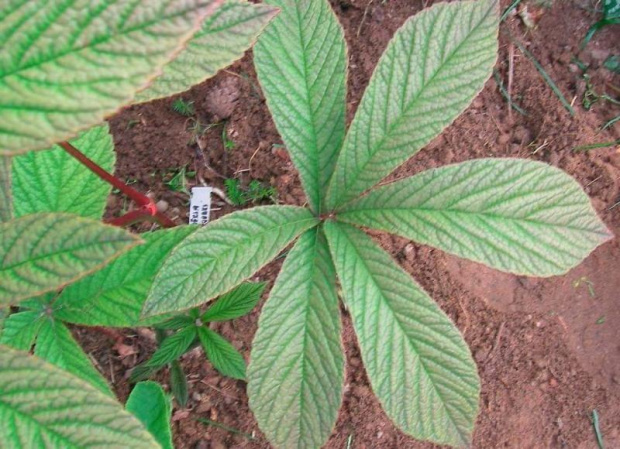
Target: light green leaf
{"points": [[43, 252], [237, 302], [6, 197], [171, 349], [296, 372], [152, 407], [302, 66], [418, 364], [514, 215], [21, 329], [42, 406], [222, 254], [66, 66], [223, 39], [56, 345], [114, 296], [53, 181], [224, 357], [433, 67]]}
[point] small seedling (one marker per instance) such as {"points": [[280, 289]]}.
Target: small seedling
{"points": [[191, 329], [611, 16], [585, 281], [183, 107], [226, 140], [178, 181], [255, 192]]}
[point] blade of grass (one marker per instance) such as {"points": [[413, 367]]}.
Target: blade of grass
{"points": [[594, 146], [597, 429], [225, 427], [556, 90], [508, 10], [611, 122], [506, 95]]}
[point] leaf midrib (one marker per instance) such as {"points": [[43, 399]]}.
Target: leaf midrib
{"points": [[396, 123], [210, 259], [96, 42], [30, 260], [398, 321], [431, 211]]}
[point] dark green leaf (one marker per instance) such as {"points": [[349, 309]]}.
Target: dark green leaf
{"points": [[54, 181], [178, 383], [152, 407], [224, 357], [56, 345], [171, 349], [238, 302]]}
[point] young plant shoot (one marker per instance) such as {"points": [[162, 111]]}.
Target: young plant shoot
{"points": [[515, 215]]}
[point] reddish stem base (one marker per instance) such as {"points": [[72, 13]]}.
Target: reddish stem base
{"points": [[148, 209]]}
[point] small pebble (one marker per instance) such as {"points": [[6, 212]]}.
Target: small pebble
{"points": [[162, 206]]}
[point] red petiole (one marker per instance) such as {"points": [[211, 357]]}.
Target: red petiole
{"points": [[148, 209]]}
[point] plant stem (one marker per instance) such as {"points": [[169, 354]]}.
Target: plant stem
{"points": [[148, 209]]}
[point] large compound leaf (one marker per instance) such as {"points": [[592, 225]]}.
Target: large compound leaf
{"points": [[21, 329], [296, 371], [152, 407], [114, 296], [224, 253], [237, 302], [301, 64], [43, 252], [56, 345], [514, 215], [223, 39], [418, 364], [64, 66], [42, 406], [223, 355], [433, 67], [6, 198], [53, 181]]}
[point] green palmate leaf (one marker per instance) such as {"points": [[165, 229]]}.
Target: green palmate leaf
{"points": [[297, 363], [301, 64], [236, 303], [21, 329], [178, 383], [514, 215], [224, 357], [42, 406], [221, 255], [223, 39], [171, 349], [6, 198], [43, 252], [65, 66], [433, 67], [56, 345], [114, 296], [53, 181], [152, 407], [418, 364]]}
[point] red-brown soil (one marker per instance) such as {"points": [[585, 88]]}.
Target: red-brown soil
{"points": [[548, 350]]}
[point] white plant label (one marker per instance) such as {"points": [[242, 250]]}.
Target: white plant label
{"points": [[200, 205]]}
